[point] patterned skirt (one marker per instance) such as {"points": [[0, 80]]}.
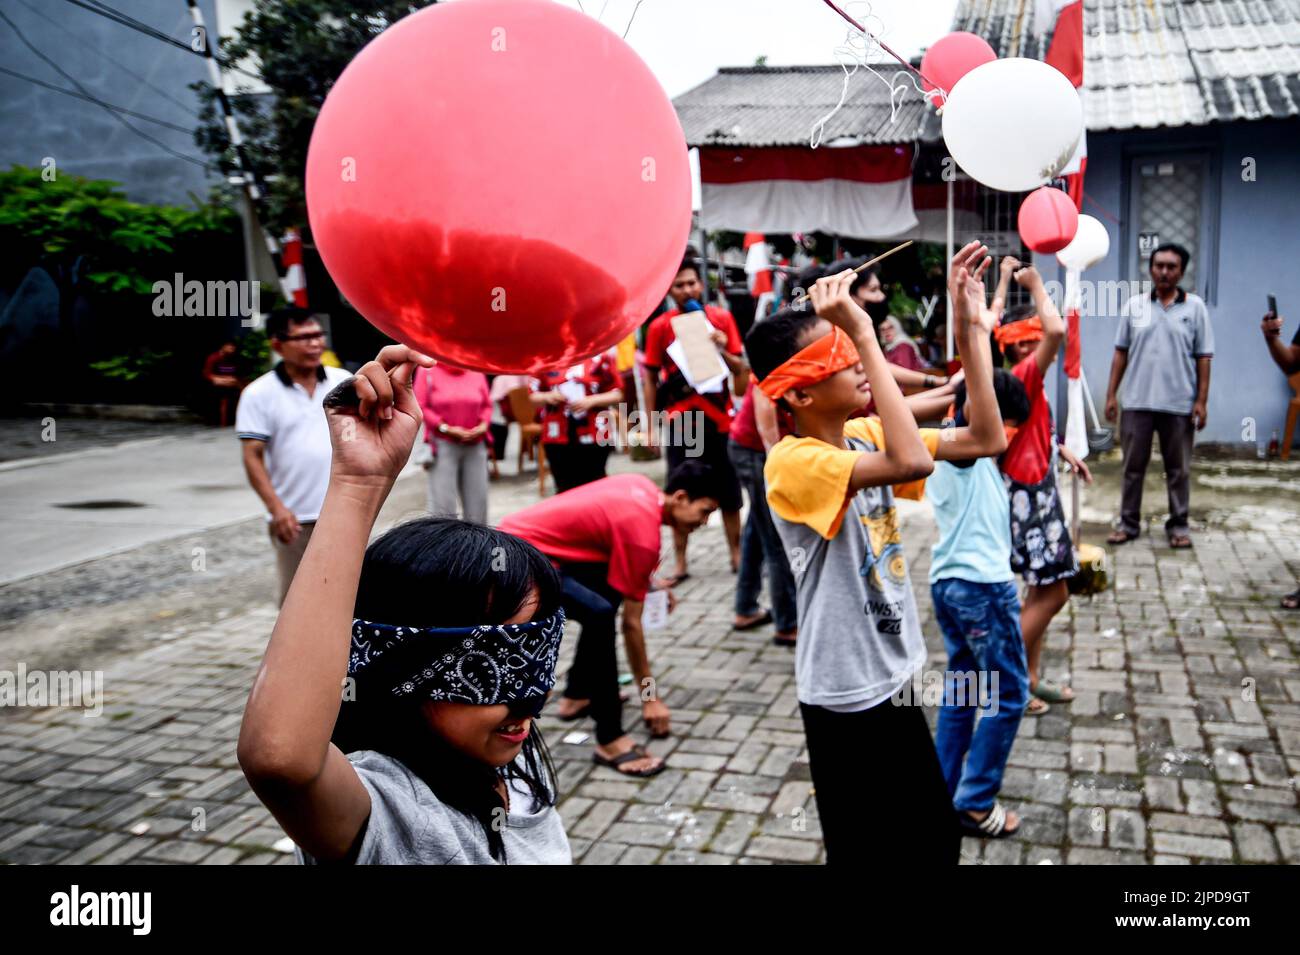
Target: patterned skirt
{"points": [[1041, 549]]}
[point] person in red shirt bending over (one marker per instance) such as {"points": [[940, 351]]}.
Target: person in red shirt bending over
{"points": [[667, 390], [604, 538], [1041, 549]]}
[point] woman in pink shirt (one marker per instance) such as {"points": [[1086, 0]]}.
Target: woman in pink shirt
{"points": [[457, 408]]}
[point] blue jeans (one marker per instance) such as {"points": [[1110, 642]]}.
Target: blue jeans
{"points": [[760, 545], [981, 628]]}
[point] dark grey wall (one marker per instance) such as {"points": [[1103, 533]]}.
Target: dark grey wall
{"points": [[102, 55]]}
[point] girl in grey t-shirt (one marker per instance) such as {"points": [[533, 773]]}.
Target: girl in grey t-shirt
{"points": [[392, 720]]}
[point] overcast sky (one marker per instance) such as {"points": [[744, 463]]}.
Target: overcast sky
{"points": [[685, 41]]}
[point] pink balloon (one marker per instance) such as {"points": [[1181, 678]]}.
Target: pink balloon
{"points": [[502, 184], [1048, 220], [952, 57]]}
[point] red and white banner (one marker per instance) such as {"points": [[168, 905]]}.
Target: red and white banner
{"points": [[294, 282], [863, 192], [1065, 19]]}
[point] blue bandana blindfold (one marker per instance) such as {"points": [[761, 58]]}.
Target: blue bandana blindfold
{"points": [[512, 663]]}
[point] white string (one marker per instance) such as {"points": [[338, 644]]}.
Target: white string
{"points": [[857, 47]]}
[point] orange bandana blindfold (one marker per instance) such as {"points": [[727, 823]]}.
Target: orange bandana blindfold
{"points": [[1028, 330], [817, 362]]}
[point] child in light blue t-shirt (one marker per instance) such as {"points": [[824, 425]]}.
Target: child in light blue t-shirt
{"points": [[978, 610]]}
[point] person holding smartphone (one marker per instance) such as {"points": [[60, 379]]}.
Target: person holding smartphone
{"points": [[1287, 358]]}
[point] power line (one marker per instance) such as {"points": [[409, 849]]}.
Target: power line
{"points": [[73, 80], [117, 16], [95, 100], [188, 107]]}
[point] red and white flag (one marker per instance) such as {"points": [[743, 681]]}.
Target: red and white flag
{"points": [[859, 191], [1064, 19]]}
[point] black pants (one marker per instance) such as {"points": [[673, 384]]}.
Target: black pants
{"points": [[593, 603], [573, 465], [880, 790], [1176, 431]]}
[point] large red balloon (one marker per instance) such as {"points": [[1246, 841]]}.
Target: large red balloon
{"points": [[1048, 220], [950, 58], [502, 184]]}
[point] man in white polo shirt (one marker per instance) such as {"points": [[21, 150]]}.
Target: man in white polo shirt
{"points": [[285, 437], [1163, 349]]}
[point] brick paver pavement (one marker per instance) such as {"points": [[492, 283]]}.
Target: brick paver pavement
{"points": [[1183, 744]]}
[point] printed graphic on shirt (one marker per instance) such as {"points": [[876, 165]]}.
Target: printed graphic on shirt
{"points": [[884, 548]]}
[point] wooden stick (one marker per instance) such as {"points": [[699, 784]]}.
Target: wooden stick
{"points": [[884, 255]]}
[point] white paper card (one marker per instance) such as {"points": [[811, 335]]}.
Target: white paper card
{"points": [[654, 615]]}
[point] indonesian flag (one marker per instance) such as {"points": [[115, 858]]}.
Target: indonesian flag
{"points": [[294, 282], [1065, 19], [858, 191]]}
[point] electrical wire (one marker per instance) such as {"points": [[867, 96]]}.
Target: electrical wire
{"points": [[95, 100], [85, 44], [73, 80], [117, 16]]}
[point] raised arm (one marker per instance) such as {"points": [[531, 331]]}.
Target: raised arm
{"points": [[984, 435], [905, 457], [284, 741], [1053, 325], [1286, 357]]}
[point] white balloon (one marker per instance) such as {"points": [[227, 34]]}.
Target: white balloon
{"points": [[1090, 245], [1013, 124]]}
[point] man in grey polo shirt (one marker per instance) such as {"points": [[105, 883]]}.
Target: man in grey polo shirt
{"points": [[1162, 354], [285, 437]]}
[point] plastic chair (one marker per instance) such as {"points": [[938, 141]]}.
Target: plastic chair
{"points": [[525, 414]]}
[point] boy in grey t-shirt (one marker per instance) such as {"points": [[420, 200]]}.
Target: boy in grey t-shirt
{"points": [[878, 783]]}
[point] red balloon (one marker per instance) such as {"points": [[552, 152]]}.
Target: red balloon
{"points": [[502, 184], [1048, 220], [952, 57]]}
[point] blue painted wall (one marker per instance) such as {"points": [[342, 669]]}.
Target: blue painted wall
{"points": [[117, 65], [1257, 250]]}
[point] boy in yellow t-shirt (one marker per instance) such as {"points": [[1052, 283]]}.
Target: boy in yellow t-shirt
{"points": [[831, 488]]}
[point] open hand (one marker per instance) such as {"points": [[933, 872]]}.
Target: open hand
{"points": [[966, 282], [374, 417]]}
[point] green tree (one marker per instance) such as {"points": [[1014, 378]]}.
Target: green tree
{"points": [[299, 47]]}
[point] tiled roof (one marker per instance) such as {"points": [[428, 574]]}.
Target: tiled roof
{"points": [[1151, 63], [779, 105]]}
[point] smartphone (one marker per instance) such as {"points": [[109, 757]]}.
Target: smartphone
{"points": [[1272, 305]]}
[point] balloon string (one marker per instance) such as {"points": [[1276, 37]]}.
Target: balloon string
{"points": [[1102, 209], [898, 83], [880, 43]]}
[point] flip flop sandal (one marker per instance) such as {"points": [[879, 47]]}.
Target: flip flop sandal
{"points": [[1180, 541], [781, 641], [676, 579], [1051, 693], [761, 620], [576, 715], [1120, 537], [992, 826], [1032, 710], [1291, 601], [633, 754]]}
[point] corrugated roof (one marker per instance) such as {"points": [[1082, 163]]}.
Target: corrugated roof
{"points": [[779, 105], [1150, 63]]}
